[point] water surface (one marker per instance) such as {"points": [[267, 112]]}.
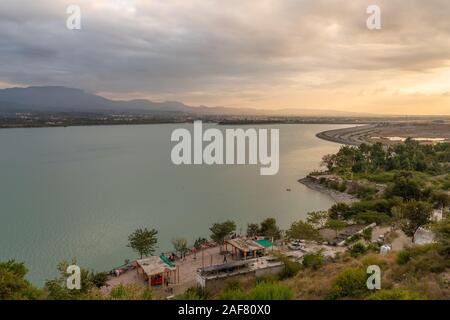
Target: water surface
{"points": [[80, 191]]}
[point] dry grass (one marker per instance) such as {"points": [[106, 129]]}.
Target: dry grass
{"points": [[426, 275]]}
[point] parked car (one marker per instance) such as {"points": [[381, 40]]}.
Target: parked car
{"points": [[296, 245]]}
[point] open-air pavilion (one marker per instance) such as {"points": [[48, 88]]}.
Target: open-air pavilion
{"points": [[157, 271], [245, 247]]}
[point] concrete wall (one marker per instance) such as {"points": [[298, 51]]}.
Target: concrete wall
{"points": [[214, 285]]}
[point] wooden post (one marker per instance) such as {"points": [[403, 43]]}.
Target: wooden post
{"points": [[203, 258], [163, 284]]}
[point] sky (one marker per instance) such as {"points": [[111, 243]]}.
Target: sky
{"points": [[269, 54]]}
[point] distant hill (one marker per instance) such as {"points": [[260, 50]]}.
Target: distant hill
{"points": [[63, 99]]}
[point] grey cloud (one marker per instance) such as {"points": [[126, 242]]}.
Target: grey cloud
{"points": [[174, 47]]}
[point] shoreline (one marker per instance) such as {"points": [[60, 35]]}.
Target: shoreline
{"points": [[353, 136], [337, 196]]}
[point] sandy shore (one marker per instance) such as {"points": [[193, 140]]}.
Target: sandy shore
{"points": [[334, 194]]}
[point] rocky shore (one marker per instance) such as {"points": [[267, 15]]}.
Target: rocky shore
{"points": [[334, 194]]}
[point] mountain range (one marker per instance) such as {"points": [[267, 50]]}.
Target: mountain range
{"points": [[55, 99]]}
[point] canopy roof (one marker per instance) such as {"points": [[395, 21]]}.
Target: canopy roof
{"points": [[153, 266], [245, 245]]}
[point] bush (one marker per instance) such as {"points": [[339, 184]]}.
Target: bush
{"points": [[352, 239], [194, 293], [364, 192], [357, 250], [367, 234], [130, 292], [396, 294], [233, 294], [291, 268], [13, 285], [403, 257], [350, 282], [342, 186], [312, 261], [369, 217], [270, 291], [270, 278]]}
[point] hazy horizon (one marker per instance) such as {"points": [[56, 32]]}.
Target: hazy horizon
{"points": [[269, 54]]}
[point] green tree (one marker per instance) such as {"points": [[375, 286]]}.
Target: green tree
{"points": [[405, 186], [335, 225], [317, 218], [221, 231], [57, 288], [414, 214], [329, 161], [340, 211], [13, 285], [252, 230], [180, 245], [440, 198], [269, 228], [143, 241], [304, 231]]}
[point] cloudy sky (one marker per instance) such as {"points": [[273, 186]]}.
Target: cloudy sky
{"points": [[274, 54]]}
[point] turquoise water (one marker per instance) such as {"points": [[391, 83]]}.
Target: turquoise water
{"points": [[80, 191]]}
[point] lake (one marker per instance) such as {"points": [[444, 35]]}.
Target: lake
{"points": [[80, 191]]}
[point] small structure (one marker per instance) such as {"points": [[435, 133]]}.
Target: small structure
{"points": [[157, 272], [213, 278], [243, 248]]}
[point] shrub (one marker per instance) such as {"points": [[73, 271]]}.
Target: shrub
{"points": [[194, 293], [350, 282], [367, 234], [364, 192], [403, 257], [13, 285], [369, 217], [270, 278], [357, 250], [352, 239], [129, 292], [270, 291], [233, 294], [291, 268], [312, 261], [396, 294], [342, 186]]}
